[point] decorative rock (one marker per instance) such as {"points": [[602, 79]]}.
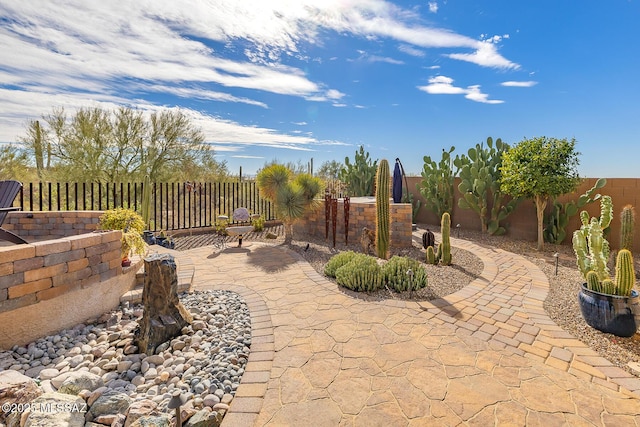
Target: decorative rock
{"points": [[95, 395], [73, 416], [152, 421], [77, 381], [210, 360], [164, 315], [204, 418], [110, 402], [139, 409], [16, 388], [211, 400]]}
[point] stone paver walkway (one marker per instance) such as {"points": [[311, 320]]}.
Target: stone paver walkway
{"points": [[487, 355]]}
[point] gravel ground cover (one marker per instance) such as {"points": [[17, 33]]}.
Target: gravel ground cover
{"points": [[561, 303]]}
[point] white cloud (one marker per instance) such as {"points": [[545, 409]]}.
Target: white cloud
{"points": [[73, 53], [443, 85], [529, 83], [410, 50], [486, 55], [433, 7]]}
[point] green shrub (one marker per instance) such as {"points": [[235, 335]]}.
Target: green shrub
{"points": [[395, 275], [362, 273], [131, 225], [338, 261], [258, 223], [220, 226]]}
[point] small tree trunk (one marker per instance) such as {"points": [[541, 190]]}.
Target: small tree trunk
{"points": [[541, 203]]}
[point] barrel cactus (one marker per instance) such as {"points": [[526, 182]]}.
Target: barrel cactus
{"points": [[383, 192]]}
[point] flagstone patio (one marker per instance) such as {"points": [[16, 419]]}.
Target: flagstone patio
{"points": [[487, 355]]}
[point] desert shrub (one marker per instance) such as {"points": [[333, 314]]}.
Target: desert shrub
{"points": [[362, 273], [258, 223], [338, 261], [395, 275]]}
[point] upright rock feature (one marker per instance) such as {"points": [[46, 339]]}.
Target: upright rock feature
{"points": [[164, 315]]}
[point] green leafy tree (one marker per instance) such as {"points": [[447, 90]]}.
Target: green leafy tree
{"points": [[97, 145], [14, 163], [480, 181], [437, 183], [359, 176], [540, 169], [291, 196]]}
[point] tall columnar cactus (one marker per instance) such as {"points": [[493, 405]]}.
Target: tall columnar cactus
{"points": [[627, 224], [383, 192], [625, 274], [445, 230], [589, 244], [146, 202]]}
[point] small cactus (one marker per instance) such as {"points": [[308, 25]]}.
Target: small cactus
{"points": [[431, 255], [593, 282], [625, 274], [608, 287], [428, 239]]}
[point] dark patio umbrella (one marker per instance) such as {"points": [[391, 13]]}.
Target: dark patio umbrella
{"points": [[397, 183]]}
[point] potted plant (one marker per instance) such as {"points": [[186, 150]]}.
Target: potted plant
{"points": [[131, 225], [609, 305]]}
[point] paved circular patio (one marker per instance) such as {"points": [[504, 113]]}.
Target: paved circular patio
{"points": [[487, 355]]}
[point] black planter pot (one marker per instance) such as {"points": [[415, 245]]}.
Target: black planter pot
{"points": [[612, 314]]}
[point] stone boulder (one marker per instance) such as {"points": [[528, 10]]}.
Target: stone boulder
{"points": [[77, 381], [56, 409], [109, 403], [153, 421], [139, 409], [16, 389], [164, 315]]}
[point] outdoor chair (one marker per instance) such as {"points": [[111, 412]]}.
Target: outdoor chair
{"points": [[8, 191]]}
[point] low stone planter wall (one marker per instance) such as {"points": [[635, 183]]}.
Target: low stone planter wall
{"points": [[51, 224], [50, 285], [362, 213]]}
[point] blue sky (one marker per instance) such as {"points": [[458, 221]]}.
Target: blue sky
{"points": [[298, 79]]}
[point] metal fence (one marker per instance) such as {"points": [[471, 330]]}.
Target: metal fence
{"points": [[174, 205]]}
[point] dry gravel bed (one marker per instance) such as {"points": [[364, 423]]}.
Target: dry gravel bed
{"points": [[561, 304]]}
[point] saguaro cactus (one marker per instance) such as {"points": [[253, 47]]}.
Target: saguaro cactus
{"points": [[445, 230], [382, 208]]}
